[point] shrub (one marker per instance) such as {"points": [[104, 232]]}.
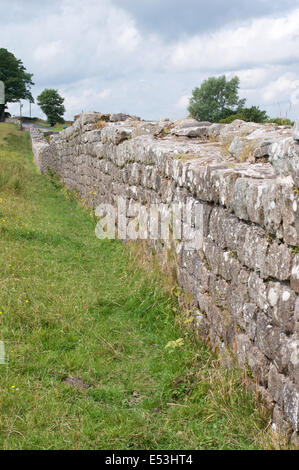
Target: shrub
{"points": [[281, 122], [253, 114], [231, 118]]}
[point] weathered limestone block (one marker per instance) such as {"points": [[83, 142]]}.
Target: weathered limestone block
{"points": [[201, 273], [259, 201], [218, 289], [115, 134], [200, 132], [262, 149], [229, 267], [280, 423], [293, 352], [277, 262], [92, 136], [264, 204], [276, 383], [227, 231], [250, 315], [284, 156], [295, 274], [256, 144], [212, 254], [250, 355], [122, 117], [296, 314], [220, 321], [237, 297], [237, 127], [215, 130], [269, 201], [282, 302], [296, 130], [189, 122], [239, 198], [290, 205], [212, 178], [161, 128], [253, 253], [291, 403], [226, 182], [140, 149], [187, 260], [87, 118], [217, 226], [272, 342], [238, 149]]}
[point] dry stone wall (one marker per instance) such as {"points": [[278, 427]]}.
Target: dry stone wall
{"points": [[245, 278]]}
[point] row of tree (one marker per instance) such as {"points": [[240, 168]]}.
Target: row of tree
{"points": [[18, 83], [217, 100]]}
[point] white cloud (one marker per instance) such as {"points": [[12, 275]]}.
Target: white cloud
{"points": [[282, 88], [263, 41], [253, 78], [183, 102], [86, 99], [50, 51], [98, 57]]}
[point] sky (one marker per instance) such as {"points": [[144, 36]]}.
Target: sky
{"points": [[144, 57]]}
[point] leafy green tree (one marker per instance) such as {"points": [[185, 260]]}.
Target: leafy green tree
{"points": [[51, 104], [16, 80], [281, 121], [253, 114], [216, 99]]}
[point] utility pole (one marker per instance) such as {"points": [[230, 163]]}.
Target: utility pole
{"points": [[21, 126]]}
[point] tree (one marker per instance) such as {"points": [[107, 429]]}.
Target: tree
{"points": [[281, 121], [51, 104], [17, 81], [216, 99], [253, 114]]}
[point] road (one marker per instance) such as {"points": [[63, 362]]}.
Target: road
{"points": [[29, 124]]}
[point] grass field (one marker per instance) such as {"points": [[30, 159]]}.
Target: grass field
{"points": [[85, 330]]}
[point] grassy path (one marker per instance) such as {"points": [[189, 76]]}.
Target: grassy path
{"points": [[85, 330]]}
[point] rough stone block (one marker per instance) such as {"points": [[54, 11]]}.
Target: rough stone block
{"points": [[295, 274], [296, 130], [291, 403], [284, 156], [276, 383], [250, 355]]}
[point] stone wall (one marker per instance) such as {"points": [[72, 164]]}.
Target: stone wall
{"points": [[245, 278]]}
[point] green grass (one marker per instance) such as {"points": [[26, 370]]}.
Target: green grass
{"points": [[58, 126], [74, 306]]}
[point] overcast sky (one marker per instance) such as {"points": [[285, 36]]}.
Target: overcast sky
{"points": [[144, 57]]}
